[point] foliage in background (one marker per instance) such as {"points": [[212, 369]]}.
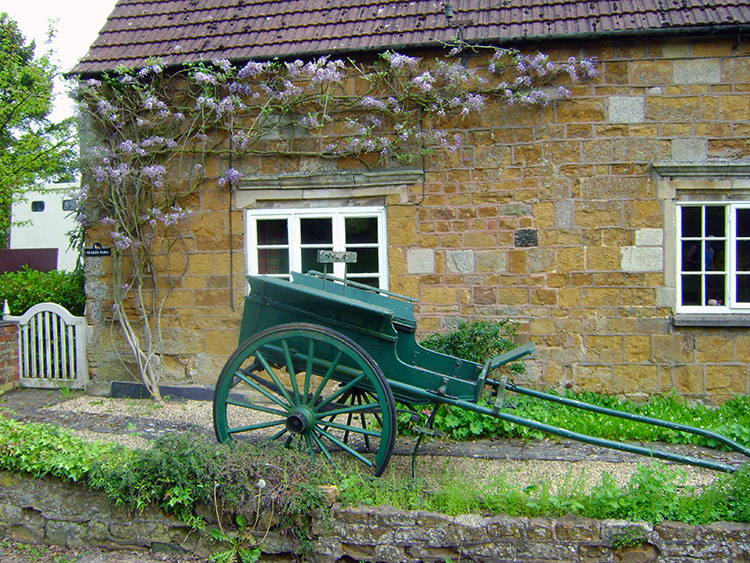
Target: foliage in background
{"points": [[152, 132], [43, 449], [28, 287], [477, 341], [731, 419], [32, 148], [481, 340]]}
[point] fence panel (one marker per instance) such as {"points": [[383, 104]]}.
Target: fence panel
{"points": [[51, 347]]}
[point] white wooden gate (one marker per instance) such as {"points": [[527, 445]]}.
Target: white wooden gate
{"points": [[51, 347]]}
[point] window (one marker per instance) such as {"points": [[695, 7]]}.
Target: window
{"points": [[713, 258], [69, 205], [280, 242], [37, 206]]}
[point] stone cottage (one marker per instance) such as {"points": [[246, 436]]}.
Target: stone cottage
{"points": [[614, 226]]}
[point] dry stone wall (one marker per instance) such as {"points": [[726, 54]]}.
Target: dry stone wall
{"points": [[50, 512]]}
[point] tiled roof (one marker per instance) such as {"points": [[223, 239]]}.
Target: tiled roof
{"points": [[181, 31]]}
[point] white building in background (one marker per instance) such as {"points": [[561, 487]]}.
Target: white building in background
{"points": [[44, 220]]}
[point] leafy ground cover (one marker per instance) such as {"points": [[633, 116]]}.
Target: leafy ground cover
{"points": [[180, 471]]}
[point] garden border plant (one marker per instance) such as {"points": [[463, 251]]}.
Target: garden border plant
{"points": [[180, 471], [152, 131]]}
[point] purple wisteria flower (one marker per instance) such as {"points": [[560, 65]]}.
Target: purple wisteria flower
{"points": [[231, 175]]}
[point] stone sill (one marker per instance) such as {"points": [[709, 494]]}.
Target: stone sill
{"points": [[708, 320]]}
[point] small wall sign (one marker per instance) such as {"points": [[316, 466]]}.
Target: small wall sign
{"points": [[97, 250], [330, 256]]}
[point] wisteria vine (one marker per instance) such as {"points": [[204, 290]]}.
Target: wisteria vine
{"points": [[153, 130]]}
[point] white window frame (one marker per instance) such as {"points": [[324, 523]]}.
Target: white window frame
{"points": [[731, 306], [338, 216]]}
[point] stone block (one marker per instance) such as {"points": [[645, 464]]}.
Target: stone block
{"points": [[734, 107], [564, 214], [651, 72], [712, 349], [691, 149], [678, 109], [593, 378], [637, 349], [649, 237], [635, 379], [600, 297], [727, 380], [674, 349], [420, 261], [626, 109], [569, 528], [602, 258], [439, 295], [697, 71], [459, 261], [642, 259], [604, 348], [491, 261]]}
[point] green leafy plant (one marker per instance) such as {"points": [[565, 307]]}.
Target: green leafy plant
{"points": [[240, 547], [29, 287], [43, 449], [477, 341]]}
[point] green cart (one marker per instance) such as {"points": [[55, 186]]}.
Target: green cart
{"points": [[322, 363]]}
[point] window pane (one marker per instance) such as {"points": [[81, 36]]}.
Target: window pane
{"points": [[715, 292], [272, 231], [691, 290], [715, 222], [743, 222], [743, 256], [743, 289], [316, 231], [273, 261], [374, 282], [361, 230], [367, 261], [715, 256], [691, 221], [691, 256]]}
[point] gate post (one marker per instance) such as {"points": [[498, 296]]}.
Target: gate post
{"points": [[9, 366]]}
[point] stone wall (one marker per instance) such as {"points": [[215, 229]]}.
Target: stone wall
{"points": [[561, 218], [9, 368], [50, 512]]}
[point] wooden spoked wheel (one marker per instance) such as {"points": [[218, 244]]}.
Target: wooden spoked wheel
{"points": [[308, 387]]}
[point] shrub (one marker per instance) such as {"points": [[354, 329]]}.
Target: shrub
{"points": [[28, 287], [477, 341]]}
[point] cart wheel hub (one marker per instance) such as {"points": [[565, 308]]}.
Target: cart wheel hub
{"points": [[299, 420]]}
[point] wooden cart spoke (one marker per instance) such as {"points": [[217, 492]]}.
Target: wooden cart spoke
{"points": [[251, 427], [351, 428], [256, 407], [351, 451], [290, 369], [272, 372], [329, 374], [255, 385], [343, 390]]}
